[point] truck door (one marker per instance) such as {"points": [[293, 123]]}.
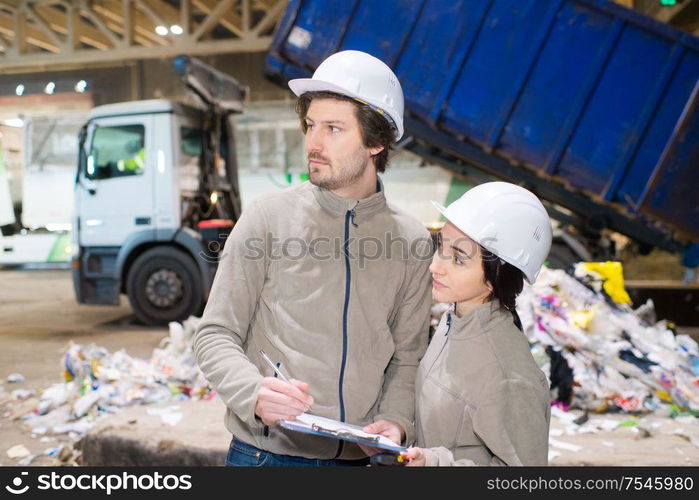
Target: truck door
{"points": [[116, 198]]}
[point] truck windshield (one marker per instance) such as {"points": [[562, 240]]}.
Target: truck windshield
{"points": [[117, 151], [192, 140]]}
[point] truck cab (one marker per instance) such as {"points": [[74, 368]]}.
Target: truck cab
{"points": [[153, 205]]}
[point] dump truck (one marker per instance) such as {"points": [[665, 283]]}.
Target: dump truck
{"points": [[156, 193]]}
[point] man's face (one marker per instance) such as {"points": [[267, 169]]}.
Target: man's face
{"points": [[335, 151]]}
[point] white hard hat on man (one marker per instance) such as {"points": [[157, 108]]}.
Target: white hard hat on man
{"points": [[361, 76]]}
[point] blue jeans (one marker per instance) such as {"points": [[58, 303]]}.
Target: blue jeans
{"points": [[241, 454]]}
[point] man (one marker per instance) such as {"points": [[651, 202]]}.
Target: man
{"points": [[329, 280]]}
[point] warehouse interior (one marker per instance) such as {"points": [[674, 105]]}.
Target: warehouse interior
{"points": [[614, 177]]}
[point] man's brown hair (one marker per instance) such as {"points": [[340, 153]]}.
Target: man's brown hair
{"points": [[375, 129]]}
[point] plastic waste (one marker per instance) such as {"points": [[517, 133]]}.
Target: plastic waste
{"points": [[628, 423], [619, 361], [564, 446], [611, 276], [97, 382], [21, 394], [169, 415], [18, 451], [15, 378]]}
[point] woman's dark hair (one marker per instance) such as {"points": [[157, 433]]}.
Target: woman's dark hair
{"points": [[375, 129], [507, 282]]}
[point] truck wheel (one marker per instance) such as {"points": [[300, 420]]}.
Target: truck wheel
{"points": [[163, 285]]}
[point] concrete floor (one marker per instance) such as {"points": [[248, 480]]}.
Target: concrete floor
{"points": [[39, 317]]}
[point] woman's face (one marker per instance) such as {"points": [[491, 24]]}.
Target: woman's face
{"points": [[457, 270]]}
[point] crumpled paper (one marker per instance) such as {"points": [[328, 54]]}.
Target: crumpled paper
{"points": [[98, 382]]}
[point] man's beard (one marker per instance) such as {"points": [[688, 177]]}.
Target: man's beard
{"points": [[350, 173]]}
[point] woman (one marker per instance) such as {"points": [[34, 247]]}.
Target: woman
{"points": [[481, 399]]}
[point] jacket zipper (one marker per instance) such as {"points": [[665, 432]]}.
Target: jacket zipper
{"points": [[349, 217], [429, 370]]}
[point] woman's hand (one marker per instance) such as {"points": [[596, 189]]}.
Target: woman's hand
{"points": [[415, 456], [388, 428]]}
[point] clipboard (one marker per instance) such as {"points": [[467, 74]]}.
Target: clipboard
{"points": [[334, 429]]}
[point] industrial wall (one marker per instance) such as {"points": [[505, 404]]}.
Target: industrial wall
{"points": [[139, 80]]}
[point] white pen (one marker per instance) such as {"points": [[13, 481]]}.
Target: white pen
{"points": [[276, 370], [274, 366]]}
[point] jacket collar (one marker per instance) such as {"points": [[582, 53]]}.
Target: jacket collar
{"points": [[336, 205], [478, 321]]}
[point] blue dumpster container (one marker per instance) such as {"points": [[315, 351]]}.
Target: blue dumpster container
{"points": [[595, 104]]}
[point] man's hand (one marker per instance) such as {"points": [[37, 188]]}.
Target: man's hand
{"points": [[279, 400], [415, 456]]}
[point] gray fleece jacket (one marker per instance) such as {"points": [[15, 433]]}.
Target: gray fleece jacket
{"points": [[335, 290], [481, 398]]}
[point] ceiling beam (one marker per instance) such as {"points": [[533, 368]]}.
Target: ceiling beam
{"points": [[271, 17], [52, 33], [145, 8], [9, 64], [127, 20], [245, 8], [218, 12], [15, 28], [81, 32], [143, 31], [39, 21], [186, 17], [87, 11]]}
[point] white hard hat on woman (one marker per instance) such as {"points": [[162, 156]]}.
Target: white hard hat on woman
{"points": [[507, 220]]}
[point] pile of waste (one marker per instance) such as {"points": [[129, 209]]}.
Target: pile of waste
{"points": [[98, 382], [602, 355]]}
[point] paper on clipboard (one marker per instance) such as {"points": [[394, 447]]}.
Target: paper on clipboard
{"points": [[321, 426]]}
